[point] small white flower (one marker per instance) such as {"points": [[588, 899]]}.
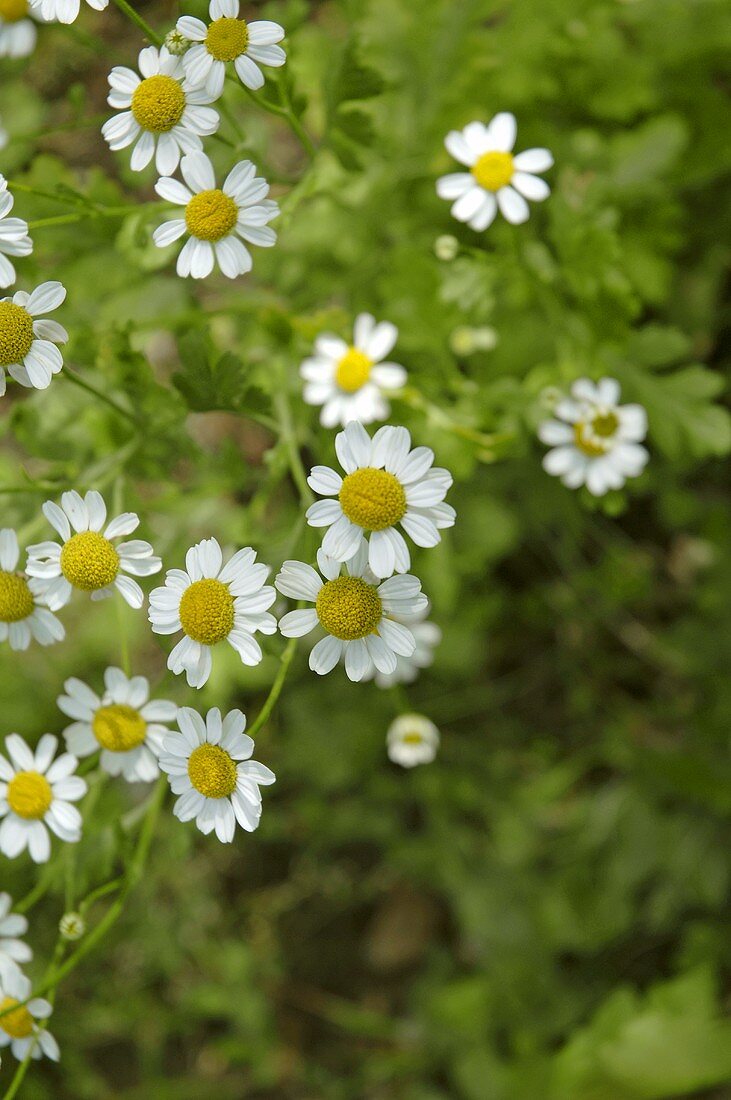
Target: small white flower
{"points": [[12, 949], [209, 766], [496, 178], [227, 39], [88, 559], [27, 346], [215, 217], [359, 614], [160, 112], [427, 636], [349, 380], [127, 728], [20, 1028], [18, 32], [596, 441], [212, 603], [22, 612], [64, 11], [14, 239], [37, 791], [412, 739], [386, 484]]}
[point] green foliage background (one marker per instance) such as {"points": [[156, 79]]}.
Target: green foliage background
{"points": [[543, 912]]}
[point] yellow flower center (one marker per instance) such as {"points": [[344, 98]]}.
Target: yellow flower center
{"points": [[372, 499], [353, 370], [349, 608], [212, 771], [119, 727], [227, 38], [493, 170], [593, 437], [18, 1023], [16, 332], [16, 598], [412, 739], [158, 103], [89, 561], [29, 795], [12, 11], [211, 215], [207, 611]]}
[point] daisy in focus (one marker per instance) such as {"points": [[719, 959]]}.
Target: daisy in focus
{"points": [[22, 1025], [228, 38], [64, 11], [36, 793], [87, 558], [596, 441], [496, 179], [12, 949], [216, 217], [22, 612], [211, 603], [209, 767], [386, 484], [412, 739], [28, 346], [18, 34], [127, 727], [358, 613], [14, 239], [350, 381], [427, 636], [161, 113]]}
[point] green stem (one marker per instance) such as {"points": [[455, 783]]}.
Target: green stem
{"points": [[146, 29], [286, 431], [99, 394], [276, 688], [286, 112]]}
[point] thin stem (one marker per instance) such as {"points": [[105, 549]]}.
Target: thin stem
{"points": [[146, 29], [276, 688], [286, 431], [100, 395], [285, 111]]}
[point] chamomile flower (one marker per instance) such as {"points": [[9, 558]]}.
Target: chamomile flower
{"points": [[22, 1020], [123, 723], [36, 793], [211, 603], [161, 113], [427, 636], [64, 11], [358, 613], [23, 614], [350, 380], [385, 484], [412, 739], [216, 217], [28, 346], [228, 38], [496, 179], [596, 441], [88, 558], [12, 949], [18, 32], [14, 239], [209, 767]]}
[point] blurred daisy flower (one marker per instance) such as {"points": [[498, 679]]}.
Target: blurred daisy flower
{"points": [[18, 32], [228, 38], [123, 723], [12, 949], [88, 558], [412, 739], [596, 441], [385, 484], [64, 11], [427, 636], [23, 614], [496, 179], [216, 217], [22, 1020], [213, 603], [349, 380], [209, 767], [36, 793], [28, 346], [14, 239], [160, 112]]}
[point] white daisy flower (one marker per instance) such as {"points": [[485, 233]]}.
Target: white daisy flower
{"points": [[216, 217], [22, 1020], [88, 559], [596, 441], [28, 346], [160, 112], [18, 32], [496, 179], [14, 239], [386, 484], [209, 766], [227, 39], [123, 723], [23, 614], [359, 614], [213, 603], [412, 739], [64, 11], [349, 380], [37, 791], [427, 636], [12, 949]]}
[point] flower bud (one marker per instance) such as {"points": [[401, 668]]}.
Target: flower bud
{"points": [[446, 247], [72, 926]]}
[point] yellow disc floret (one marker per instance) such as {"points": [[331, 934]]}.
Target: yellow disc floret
{"points": [[119, 727], [207, 611], [29, 795], [212, 771], [158, 103], [349, 608], [353, 370], [16, 333], [595, 437], [411, 738], [89, 561], [227, 38], [372, 499], [12, 11], [16, 598], [211, 215], [493, 170], [16, 1022]]}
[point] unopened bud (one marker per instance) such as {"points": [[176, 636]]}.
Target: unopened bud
{"points": [[176, 43], [72, 926], [446, 247]]}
